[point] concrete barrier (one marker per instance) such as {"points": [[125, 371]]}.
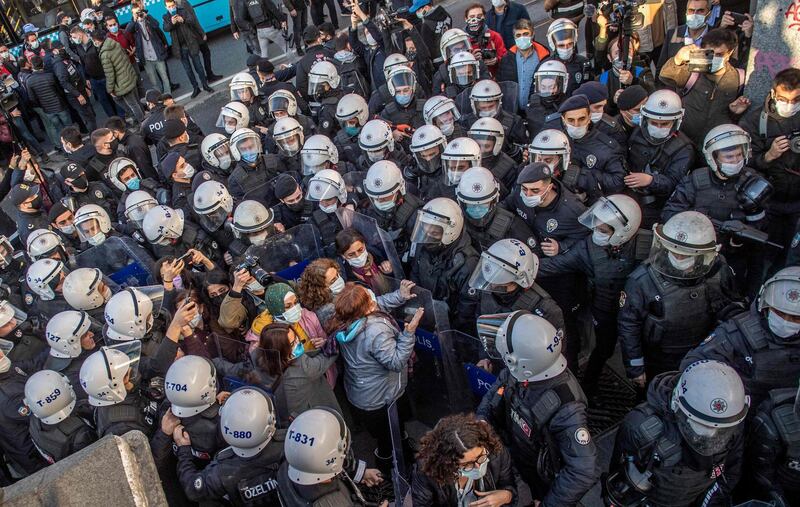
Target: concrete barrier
{"points": [[114, 471]]}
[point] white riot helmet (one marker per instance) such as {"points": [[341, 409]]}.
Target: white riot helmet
{"points": [[486, 91], [550, 142], [84, 289], [288, 135], [424, 141], [441, 112], [463, 68], [118, 165], [318, 153], [459, 155], [782, 292], [327, 184], [620, 212], [92, 223], [103, 376], [528, 344], [191, 385], [43, 242], [325, 459], [550, 79], [130, 313], [252, 220], [562, 30], [478, 191], [376, 139], [392, 61], [233, 116], [709, 405], [163, 224], [401, 76], [245, 145], [490, 135], [383, 182], [44, 276], [137, 204], [322, 73], [213, 203], [453, 41], [352, 106], [439, 222], [727, 139], [507, 261], [50, 396], [6, 252], [65, 330], [661, 105], [248, 421], [282, 100], [216, 150], [685, 246], [241, 81]]}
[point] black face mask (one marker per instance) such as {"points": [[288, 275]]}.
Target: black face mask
{"points": [[217, 300], [114, 145], [36, 203], [80, 184], [296, 206]]}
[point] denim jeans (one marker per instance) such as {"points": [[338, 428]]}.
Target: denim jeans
{"points": [[131, 103], [265, 35], [101, 95], [155, 71], [190, 61], [54, 123], [28, 136]]}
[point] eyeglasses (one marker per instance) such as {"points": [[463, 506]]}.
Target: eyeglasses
{"points": [[483, 458]]}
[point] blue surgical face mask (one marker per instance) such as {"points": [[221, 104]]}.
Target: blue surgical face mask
{"points": [[133, 184], [113, 29], [352, 131], [249, 157], [636, 118], [403, 100], [297, 350], [477, 211], [172, 10]]}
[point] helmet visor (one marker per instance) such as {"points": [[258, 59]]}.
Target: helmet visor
{"points": [[289, 145], [320, 190], [403, 80], [6, 252], [463, 75], [487, 141], [227, 122], [548, 85], [705, 440], [603, 211], [680, 261], [88, 229], [456, 47], [313, 162], [244, 94], [250, 145], [317, 87], [133, 352], [488, 327], [429, 228], [492, 274], [454, 170], [278, 104], [10, 317], [429, 161], [136, 212], [214, 220]]}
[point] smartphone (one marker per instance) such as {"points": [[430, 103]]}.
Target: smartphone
{"points": [[184, 256], [700, 60], [738, 19]]}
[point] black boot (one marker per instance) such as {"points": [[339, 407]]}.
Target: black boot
{"points": [[196, 92]]}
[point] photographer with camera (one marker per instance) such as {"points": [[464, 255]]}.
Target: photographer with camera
{"points": [[487, 45], [151, 47], [696, 27], [623, 73]]}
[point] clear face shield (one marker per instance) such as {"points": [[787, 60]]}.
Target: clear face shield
{"points": [[464, 75], [278, 107], [564, 41], [492, 274], [603, 212], [223, 155], [405, 84], [486, 108], [678, 260], [133, 352], [429, 228], [214, 220], [289, 144], [89, 229], [137, 212], [244, 94], [486, 140], [429, 160], [153, 299], [488, 327], [446, 120], [548, 85], [317, 87], [456, 46], [322, 191], [249, 149], [454, 170], [6, 252], [10, 318], [704, 440], [314, 162]]}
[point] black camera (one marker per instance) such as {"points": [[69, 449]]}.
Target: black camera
{"points": [[794, 140], [488, 54], [251, 264], [390, 19], [8, 95], [623, 15]]}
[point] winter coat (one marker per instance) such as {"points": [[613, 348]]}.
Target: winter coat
{"points": [[187, 35], [45, 92], [156, 35], [121, 77]]}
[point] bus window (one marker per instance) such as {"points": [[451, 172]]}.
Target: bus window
{"points": [[40, 13]]}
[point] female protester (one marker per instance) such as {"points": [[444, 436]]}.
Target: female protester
{"points": [[463, 462], [319, 284], [282, 305], [361, 264], [300, 380], [208, 339], [376, 355]]}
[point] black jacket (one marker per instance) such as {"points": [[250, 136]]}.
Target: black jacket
{"points": [[44, 92], [90, 58]]}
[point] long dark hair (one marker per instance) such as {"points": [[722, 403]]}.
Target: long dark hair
{"points": [[272, 354], [352, 304]]}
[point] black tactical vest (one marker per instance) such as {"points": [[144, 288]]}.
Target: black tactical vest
{"points": [[203, 429], [54, 441], [712, 197], [497, 229], [611, 271]]}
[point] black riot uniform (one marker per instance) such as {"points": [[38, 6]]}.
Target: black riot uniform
{"points": [[513, 127], [347, 145], [96, 193], [601, 162], [295, 215], [649, 437], [40, 311], [544, 426], [136, 412], [12, 279], [16, 443], [381, 96], [541, 109], [666, 162], [246, 177], [579, 69], [242, 481], [763, 360], [57, 441], [328, 226], [29, 222], [399, 221], [499, 223], [533, 299], [613, 128], [704, 191], [445, 271], [337, 491], [504, 169], [430, 185], [773, 450], [411, 114], [607, 269], [203, 430], [323, 113], [662, 318], [152, 129]]}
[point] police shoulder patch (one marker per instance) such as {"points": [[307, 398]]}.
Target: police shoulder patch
{"points": [[591, 160], [471, 291], [23, 410], [30, 226], [28, 299], [622, 298], [578, 77], [551, 225], [98, 194], [531, 242], [214, 245], [582, 436], [326, 124], [198, 483]]}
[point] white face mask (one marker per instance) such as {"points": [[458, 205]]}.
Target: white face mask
{"points": [[695, 21], [731, 169], [67, 229], [596, 117], [196, 320], [384, 205], [565, 54], [370, 40], [780, 326], [530, 201], [680, 264], [97, 239], [576, 132], [188, 171], [230, 129], [337, 286], [329, 209], [786, 109], [254, 286], [360, 261], [498, 3], [293, 314], [717, 63], [600, 238], [447, 128], [5, 364], [658, 132], [258, 239], [476, 473], [375, 156], [224, 161]]}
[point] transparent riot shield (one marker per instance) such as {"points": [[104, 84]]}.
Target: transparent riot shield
{"points": [[287, 254], [263, 193], [510, 96], [466, 381], [379, 242], [132, 349], [401, 476], [122, 260]]}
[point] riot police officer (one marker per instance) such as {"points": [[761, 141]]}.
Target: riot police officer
{"points": [[490, 136], [392, 205], [377, 143], [659, 154], [252, 224], [458, 156], [462, 73], [170, 233], [56, 429], [762, 343], [323, 88], [293, 209], [327, 187], [352, 113], [82, 191], [724, 191], [93, 225], [549, 90], [136, 206], [232, 117], [486, 101], [427, 146], [551, 147], [44, 243], [562, 38], [29, 216], [447, 81], [254, 169], [319, 153], [71, 336], [445, 258], [683, 446], [15, 328], [212, 205], [13, 267], [538, 405], [671, 300], [217, 159], [243, 88], [244, 473], [44, 297], [86, 289], [478, 193], [606, 258], [441, 112], [124, 176], [381, 95], [404, 109], [282, 103]]}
